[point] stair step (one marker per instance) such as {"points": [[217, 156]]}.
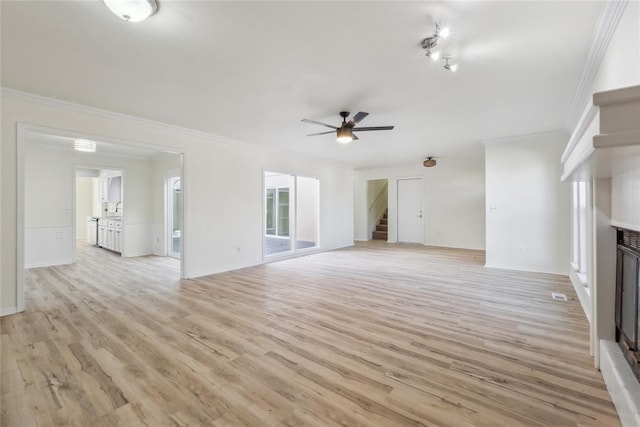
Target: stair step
{"points": [[383, 221], [380, 235], [384, 215], [382, 227]]}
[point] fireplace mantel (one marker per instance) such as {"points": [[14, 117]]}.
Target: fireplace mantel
{"points": [[606, 141], [605, 146]]}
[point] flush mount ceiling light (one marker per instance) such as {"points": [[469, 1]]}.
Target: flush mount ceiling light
{"points": [[132, 10], [84, 145], [431, 43], [429, 162]]}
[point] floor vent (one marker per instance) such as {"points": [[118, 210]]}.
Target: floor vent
{"points": [[558, 297]]}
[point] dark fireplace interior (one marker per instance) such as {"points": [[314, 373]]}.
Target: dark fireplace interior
{"points": [[628, 297]]}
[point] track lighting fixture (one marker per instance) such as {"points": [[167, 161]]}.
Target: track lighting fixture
{"points": [[430, 43], [450, 67]]}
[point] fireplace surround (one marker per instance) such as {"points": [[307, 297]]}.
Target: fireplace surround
{"points": [[627, 315]]}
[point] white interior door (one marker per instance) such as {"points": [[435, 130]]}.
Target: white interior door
{"points": [[410, 210]]}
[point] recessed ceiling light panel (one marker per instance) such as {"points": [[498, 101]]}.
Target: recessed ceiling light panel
{"points": [[84, 145], [132, 10]]}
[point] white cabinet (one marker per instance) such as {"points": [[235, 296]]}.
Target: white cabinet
{"points": [[103, 188], [110, 189], [92, 230], [110, 234], [102, 233], [117, 237]]}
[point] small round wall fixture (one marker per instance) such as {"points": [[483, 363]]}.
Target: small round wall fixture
{"points": [[132, 10], [429, 162]]}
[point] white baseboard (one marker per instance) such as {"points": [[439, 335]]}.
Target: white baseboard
{"points": [[582, 292], [49, 263], [529, 269], [8, 311], [622, 385]]}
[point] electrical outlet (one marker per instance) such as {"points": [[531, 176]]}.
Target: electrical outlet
{"points": [[237, 248]]}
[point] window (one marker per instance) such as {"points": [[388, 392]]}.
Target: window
{"points": [[580, 223], [291, 213]]}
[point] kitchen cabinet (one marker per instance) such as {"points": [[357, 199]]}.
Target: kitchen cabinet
{"points": [[103, 189], [110, 234], [110, 189]]}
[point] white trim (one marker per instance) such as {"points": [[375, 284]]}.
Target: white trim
{"points": [[582, 291], [587, 118], [626, 225], [528, 269], [50, 263], [168, 240], [516, 138], [610, 15], [7, 311], [621, 383], [150, 124], [20, 213]]}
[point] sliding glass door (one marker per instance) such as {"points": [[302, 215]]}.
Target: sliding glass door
{"points": [[291, 213]]}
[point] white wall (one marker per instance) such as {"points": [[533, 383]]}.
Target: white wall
{"points": [[84, 205], [49, 198], [306, 209], [454, 202], [528, 208], [223, 186]]}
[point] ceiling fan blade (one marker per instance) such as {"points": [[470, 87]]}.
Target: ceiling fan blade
{"points": [[355, 138], [321, 133], [357, 119], [373, 128], [319, 123]]}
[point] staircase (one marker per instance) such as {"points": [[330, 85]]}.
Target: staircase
{"points": [[381, 228]]}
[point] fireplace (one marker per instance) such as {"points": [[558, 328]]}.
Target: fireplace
{"points": [[628, 297]]}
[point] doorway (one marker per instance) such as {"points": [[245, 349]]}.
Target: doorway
{"points": [[410, 223], [173, 218], [56, 222], [377, 204], [291, 211]]}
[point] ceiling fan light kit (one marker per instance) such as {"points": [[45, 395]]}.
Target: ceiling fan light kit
{"points": [[431, 43], [344, 132]]}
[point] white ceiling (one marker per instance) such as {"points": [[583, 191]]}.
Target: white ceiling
{"points": [[251, 70]]}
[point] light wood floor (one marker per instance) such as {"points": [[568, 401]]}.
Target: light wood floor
{"points": [[377, 335]]}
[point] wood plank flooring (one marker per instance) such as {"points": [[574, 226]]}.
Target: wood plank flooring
{"points": [[373, 335]]}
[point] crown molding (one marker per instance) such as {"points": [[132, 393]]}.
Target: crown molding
{"points": [[517, 138], [112, 115], [606, 25], [151, 124]]}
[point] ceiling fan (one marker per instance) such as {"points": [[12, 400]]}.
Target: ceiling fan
{"points": [[345, 131]]}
